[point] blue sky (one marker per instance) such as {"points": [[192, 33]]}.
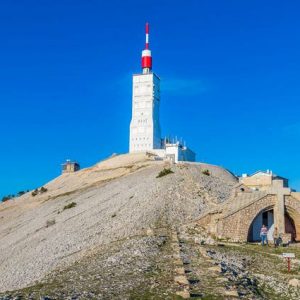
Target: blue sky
{"points": [[229, 72]]}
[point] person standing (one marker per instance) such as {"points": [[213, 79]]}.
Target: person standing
{"points": [[276, 237], [263, 235]]}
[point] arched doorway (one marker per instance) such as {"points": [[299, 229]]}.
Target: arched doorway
{"points": [[264, 217], [290, 226]]}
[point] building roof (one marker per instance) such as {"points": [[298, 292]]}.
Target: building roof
{"points": [[268, 172]]}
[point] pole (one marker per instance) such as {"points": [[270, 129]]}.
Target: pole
{"points": [[289, 264]]}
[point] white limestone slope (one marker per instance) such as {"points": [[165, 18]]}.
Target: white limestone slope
{"points": [[117, 198]]}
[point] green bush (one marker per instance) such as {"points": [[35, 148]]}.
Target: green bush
{"points": [[43, 190], [164, 172], [35, 192], [206, 172], [8, 197], [70, 205]]}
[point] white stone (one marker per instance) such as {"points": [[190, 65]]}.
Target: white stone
{"points": [[183, 294], [294, 282]]}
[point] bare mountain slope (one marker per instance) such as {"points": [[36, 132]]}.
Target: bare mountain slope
{"points": [[118, 198]]}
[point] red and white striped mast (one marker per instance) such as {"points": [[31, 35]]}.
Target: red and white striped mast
{"points": [[146, 54]]}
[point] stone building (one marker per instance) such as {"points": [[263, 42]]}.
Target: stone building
{"points": [[70, 166], [262, 198], [262, 180]]}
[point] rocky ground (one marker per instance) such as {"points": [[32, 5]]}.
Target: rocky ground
{"points": [[118, 230], [247, 271], [116, 199], [129, 269], [146, 267]]}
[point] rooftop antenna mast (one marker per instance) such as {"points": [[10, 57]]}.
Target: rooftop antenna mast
{"points": [[146, 54]]}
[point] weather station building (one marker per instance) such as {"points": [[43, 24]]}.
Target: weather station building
{"points": [[145, 132]]}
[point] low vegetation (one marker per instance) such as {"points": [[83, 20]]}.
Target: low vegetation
{"points": [[42, 190], [70, 205], [12, 196], [34, 193], [19, 194], [8, 197], [164, 172], [206, 172]]}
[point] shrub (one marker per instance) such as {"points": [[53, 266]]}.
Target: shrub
{"points": [[206, 172], [113, 215], [50, 222], [70, 205], [35, 192], [43, 190], [6, 198], [164, 172]]}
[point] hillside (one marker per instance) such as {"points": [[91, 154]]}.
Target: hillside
{"points": [[115, 199], [118, 230]]}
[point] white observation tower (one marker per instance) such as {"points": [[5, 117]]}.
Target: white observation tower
{"points": [[145, 132], [144, 126]]}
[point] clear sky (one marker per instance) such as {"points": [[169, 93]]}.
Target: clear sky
{"points": [[230, 73]]}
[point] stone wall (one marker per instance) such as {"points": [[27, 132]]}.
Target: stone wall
{"points": [[256, 180], [296, 195], [236, 225], [292, 205], [209, 222]]}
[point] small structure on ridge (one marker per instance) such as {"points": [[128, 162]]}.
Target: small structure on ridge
{"points": [[70, 166]]}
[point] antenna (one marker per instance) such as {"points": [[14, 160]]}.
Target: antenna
{"points": [[147, 36], [146, 53]]}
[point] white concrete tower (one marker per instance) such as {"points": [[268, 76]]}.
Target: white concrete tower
{"points": [[144, 126]]}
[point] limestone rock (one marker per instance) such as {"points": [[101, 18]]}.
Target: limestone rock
{"points": [[179, 271], [232, 293], [181, 280], [178, 262], [184, 294], [294, 282], [215, 269], [149, 232]]}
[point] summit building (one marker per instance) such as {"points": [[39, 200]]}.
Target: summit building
{"points": [[145, 132]]}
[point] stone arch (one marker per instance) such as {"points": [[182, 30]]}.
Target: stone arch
{"points": [[290, 226], [268, 210], [291, 216], [292, 207], [235, 226]]}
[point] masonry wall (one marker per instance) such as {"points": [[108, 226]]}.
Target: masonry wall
{"points": [[264, 180], [236, 225], [293, 209], [209, 222]]}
